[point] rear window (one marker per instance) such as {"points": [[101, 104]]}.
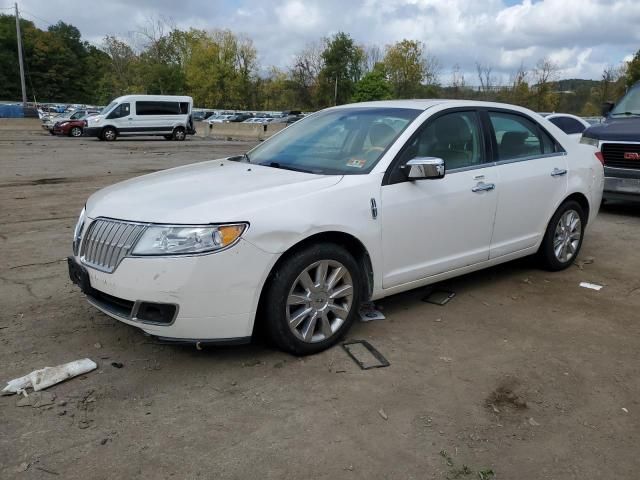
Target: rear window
{"points": [[519, 137], [568, 125]]}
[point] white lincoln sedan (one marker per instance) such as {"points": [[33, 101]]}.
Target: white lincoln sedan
{"points": [[352, 203]]}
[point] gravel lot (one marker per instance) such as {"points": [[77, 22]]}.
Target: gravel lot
{"points": [[523, 373]]}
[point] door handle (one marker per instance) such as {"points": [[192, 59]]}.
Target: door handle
{"points": [[483, 187], [558, 172]]}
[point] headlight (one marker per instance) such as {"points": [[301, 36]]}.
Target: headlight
{"points": [[63, 124], [77, 232], [594, 142], [181, 240]]}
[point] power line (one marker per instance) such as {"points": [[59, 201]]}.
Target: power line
{"points": [[37, 17]]}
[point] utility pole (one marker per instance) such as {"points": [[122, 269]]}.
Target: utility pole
{"points": [[335, 93], [24, 89]]}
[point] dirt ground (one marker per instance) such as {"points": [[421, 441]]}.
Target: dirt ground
{"points": [[523, 374]]}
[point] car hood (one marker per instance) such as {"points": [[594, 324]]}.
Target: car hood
{"points": [[210, 192], [625, 129]]}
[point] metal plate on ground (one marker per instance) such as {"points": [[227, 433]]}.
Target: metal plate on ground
{"points": [[439, 296], [365, 355], [369, 312]]}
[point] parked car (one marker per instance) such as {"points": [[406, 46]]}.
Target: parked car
{"points": [[131, 115], [219, 119], [239, 117], [572, 125], [49, 122], [617, 140], [71, 128], [353, 203]]}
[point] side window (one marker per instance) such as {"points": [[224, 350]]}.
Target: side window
{"points": [[519, 137], [120, 111], [454, 137]]}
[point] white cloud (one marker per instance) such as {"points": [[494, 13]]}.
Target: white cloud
{"points": [[582, 36]]}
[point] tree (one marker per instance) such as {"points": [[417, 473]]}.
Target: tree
{"points": [[486, 79], [407, 66], [633, 70], [373, 86], [457, 81], [341, 70], [545, 72], [305, 74]]}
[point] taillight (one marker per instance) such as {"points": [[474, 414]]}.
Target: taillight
{"points": [[600, 157]]}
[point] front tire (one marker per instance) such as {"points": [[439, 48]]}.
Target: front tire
{"points": [[75, 132], [179, 134], [109, 134], [312, 299], [563, 239]]}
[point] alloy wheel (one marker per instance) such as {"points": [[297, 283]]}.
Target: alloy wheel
{"points": [[566, 238], [76, 132], [319, 301]]}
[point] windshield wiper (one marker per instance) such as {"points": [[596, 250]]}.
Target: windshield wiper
{"points": [[287, 167], [627, 114]]}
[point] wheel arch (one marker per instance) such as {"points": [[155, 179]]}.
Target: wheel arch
{"points": [[582, 200], [352, 244]]}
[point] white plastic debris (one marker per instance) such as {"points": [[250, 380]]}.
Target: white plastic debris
{"points": [[48, 376], [592, 286]]}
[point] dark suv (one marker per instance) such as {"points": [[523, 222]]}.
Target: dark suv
{"points": [[618, 140]]}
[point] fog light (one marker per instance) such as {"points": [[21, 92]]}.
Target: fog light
{"points": [[162, 313]]}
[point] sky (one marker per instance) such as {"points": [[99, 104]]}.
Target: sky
{"points": [[581, 36]]}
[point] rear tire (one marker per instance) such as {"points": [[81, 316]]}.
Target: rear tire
{"points": [[179, 133], [563, 239], [312, 299], [109, 134]]}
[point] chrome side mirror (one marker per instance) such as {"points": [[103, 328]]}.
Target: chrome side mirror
{"points": [[421, 168]]}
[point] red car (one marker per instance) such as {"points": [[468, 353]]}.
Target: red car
{"points": [[70, 128]]}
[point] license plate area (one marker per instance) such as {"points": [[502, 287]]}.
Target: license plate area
{"points": [[79, 275]]}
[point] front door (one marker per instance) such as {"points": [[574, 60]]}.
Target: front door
{"points": [[434, 226], [121, 118]]}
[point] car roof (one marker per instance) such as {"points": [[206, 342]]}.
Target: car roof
{"points": [[423, 104]]}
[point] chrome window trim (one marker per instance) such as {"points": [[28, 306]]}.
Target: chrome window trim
{"points": [[504, 162]]}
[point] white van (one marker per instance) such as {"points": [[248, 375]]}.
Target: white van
{"points": [[166, 115]]}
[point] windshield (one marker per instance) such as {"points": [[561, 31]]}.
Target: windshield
{"points": [[344, 141], [106, 109], [629, 105]]}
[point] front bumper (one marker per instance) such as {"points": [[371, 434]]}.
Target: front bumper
{"points": [[215, 295], [618, 187]]}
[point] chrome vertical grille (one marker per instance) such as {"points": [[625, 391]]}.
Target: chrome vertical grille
{"points": [[107, 242]]}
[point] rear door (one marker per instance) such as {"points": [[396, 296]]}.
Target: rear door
{"points": [[532, 168]]}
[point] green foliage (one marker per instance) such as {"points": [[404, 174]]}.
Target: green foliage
{"points": [[373, 86], [633, 70], [405, 67], [342, 69]]}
